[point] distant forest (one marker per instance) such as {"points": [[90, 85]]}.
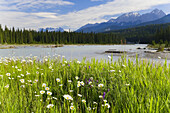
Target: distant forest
{"points": [[145, 34], [13, 36]]}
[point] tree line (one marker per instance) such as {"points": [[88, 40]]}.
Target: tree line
{"points": [[145, 34], [162, 35], [18, 36]]}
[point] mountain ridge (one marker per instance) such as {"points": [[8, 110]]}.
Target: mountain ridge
{"points": [[50, 29], [124, 21]]}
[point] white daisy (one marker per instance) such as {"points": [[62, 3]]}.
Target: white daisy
{"points": [[72, 107], [77, 77], [47, 88], [105, 101], [42, 92], [82, 83], [57, 79], [89, 108], [107, 105], [22, 80], [8, 74], [43, 85], [50, 105], [68, 97], [84, 101], [49, 93], [100, 96], [100, 85]]}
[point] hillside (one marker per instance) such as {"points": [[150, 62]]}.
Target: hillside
{"points": [[142, 34]]}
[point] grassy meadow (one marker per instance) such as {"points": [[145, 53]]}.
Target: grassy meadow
{"points": [[28, 85]]}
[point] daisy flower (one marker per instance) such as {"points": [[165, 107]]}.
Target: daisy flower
{"points": [[72, 107], [107, 105], [84, 101], [105, 101], [58, 80], [77, 77], [82, 83], [43, 85], [47, 88], [100, 85], [8, 74], [50, 105], [22, 80], [89, 108], [49, 93], [42, 92], [100, 96], [68, 97]]}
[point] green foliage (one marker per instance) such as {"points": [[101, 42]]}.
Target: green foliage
{"points": [[32, 37], [160, 49], [128, 87], [145, 34], [153, 43]]}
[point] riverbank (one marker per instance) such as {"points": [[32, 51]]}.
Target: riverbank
{"points": [[10, 46]]}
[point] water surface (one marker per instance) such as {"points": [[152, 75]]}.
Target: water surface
{"points": [[80, 51]]}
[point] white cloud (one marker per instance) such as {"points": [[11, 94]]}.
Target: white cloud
{"points": [[24, 4], [45, 14], [76, 19]]}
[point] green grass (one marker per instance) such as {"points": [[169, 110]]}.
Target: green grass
{"points": [[128, 86]]}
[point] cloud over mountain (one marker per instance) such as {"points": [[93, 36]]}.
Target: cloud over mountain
{"points": [[15, 16]]}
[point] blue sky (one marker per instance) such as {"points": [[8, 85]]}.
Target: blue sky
{"points": [[70, 14]]}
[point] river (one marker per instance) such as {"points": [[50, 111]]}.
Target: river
{"points": [[78, 52]]}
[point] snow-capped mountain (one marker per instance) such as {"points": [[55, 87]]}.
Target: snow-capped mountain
{"points": [[133, 17], [126, 20], [128, 17], [154, 15], [49, 29]]}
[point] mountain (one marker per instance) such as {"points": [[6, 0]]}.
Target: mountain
{"points": [[163, 20], [127, 17], [154, 15], [126, 20], [49, 29]]}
